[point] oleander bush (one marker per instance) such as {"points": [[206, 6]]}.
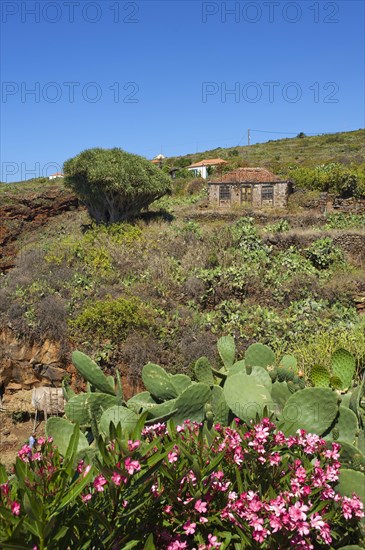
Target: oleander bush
{"points": [[169, 488]]}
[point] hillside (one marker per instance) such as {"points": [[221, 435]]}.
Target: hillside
{"points": [[344, 147]]}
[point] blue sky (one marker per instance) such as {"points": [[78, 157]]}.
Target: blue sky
{"points": [[155, 76]]}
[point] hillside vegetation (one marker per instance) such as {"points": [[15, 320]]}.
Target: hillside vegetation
{"points": [[343, 147], [164, 288]]}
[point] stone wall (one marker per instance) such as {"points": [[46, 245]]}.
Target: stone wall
{"points": [[280, 195], [25, 364]]}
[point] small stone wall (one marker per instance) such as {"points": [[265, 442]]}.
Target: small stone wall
{"points": [[281, 192]]}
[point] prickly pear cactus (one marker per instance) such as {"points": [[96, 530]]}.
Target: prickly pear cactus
{"points": [[262, 377], [190, 404], [219, 406], [227, 350], [118, 415], [92, 373], [351, 457], [351, 482], [203, 371], [312, 409], [239, 366], [288, 362], [280, 395], [320, 377], [180, 382], [246, 397], [343, 366], [273, 372], [140, 402], [336, 383], [61, 431], [346, 425], [76, 409], [259, 355], [158, 382]]}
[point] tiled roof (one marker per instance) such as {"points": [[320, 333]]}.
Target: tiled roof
{"points": [[57, 174], [207, 162], [249, 175]]}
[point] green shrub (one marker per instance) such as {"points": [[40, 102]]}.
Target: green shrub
{"points": [[323, 253], [341, 220], [113, 319]]}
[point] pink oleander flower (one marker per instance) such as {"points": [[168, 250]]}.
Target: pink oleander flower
{"points": [[297, 512], [132, 466], [213, 541], [4, 488], [133, 445], [86, 498], [200, 506], [189, 528], [117, 479], [203, 519], [15, 508], [352, 507], [99, 483], [24, 453], [87, 470], [172, 457], [177, 545], [274, 459], [41, 441]]}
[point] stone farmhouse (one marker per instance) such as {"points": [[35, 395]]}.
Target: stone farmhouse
{"points": [[249, 187]]}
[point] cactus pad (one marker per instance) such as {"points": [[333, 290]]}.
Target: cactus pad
{"points": [[180, 382], [262, 377], [351, 482], [227, 350], [346, 425], [61, 430], [76, 409], [320, 377], [92, 373], [203, 371], [158, 382], [280, 395], [343, 366], [118, 415], [219, 406], [190, 404], [245, 396], [351, 457], [239, 366], [259, 355], [288, 362], [312, 409]]}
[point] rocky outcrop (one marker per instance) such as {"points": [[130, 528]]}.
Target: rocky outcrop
{"points": [[21, 213], [25, 364]]}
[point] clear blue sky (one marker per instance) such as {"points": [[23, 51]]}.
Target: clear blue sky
{"points": [[293, 66]]}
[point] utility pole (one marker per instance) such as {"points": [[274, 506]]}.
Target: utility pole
{"points": [[248, 137]]}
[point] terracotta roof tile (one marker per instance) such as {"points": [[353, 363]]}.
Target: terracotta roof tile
{"points": [[207, 162], [249, 175]]}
